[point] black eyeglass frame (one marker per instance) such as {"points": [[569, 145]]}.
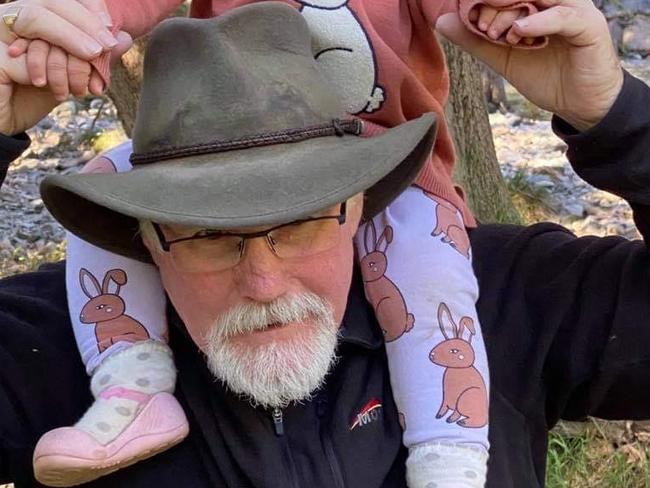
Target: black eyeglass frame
{"points": [[166, 245]]}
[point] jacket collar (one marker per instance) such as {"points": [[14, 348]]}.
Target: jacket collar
{"points": [[359, 326]]}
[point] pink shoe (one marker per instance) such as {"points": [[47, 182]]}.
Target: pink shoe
{"points": [[68, 456]]}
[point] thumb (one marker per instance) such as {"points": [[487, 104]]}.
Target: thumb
{"points": [[124, 43], [452, 28]]}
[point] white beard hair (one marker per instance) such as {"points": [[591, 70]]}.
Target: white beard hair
{"points": [[278, 373]]}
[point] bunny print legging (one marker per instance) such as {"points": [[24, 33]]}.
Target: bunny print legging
{"points": [[416, 266]]}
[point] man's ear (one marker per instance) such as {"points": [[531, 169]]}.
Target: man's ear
{"points": [[355, 211], [150, 240]]}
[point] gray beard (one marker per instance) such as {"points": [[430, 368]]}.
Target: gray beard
{"points": [[278, 373]]}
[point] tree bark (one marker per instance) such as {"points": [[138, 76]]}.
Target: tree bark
{"points": [[127, 78], [477, 168], [126, 83]]}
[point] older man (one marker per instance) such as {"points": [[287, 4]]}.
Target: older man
{"points": [[565, 319]]}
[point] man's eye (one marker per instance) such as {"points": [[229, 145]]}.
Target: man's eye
{"points": [[454, 351], [208, 234], [99, 307]]}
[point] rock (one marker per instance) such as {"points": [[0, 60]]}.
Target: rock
{"points": [[28, 164], [50, 139], [514, 120], [97, 103], [561, 147], [46, 123], [544, 181], [65, 111], [636, 36], [617, 8], [36, 204], [575, 209]]}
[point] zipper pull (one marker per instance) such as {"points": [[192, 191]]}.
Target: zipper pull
{"points": [[277, 421]]}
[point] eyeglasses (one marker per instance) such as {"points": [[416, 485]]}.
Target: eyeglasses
{"points": [[214, 250]]}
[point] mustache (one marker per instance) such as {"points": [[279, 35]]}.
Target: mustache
{"points": [[254, 316]]}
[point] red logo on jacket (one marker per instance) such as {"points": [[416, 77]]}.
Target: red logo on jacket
{"points": [[369, 413]]}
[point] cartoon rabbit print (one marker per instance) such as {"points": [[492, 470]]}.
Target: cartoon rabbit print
{"points": [[106, 310], [464, 391], [450, 226], [342, 48], [383, 294]]}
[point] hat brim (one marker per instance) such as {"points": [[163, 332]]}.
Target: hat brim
{"points": [[245, 188]]}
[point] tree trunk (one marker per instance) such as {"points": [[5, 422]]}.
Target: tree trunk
{"points": [[127, 78], [125, 84], [477, 168]]}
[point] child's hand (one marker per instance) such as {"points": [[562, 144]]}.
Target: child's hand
{"points": [[51, 66], [495, 23]]}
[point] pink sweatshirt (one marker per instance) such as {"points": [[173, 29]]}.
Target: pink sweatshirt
{"points": [[389, 65]]}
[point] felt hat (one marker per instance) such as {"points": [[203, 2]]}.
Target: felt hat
{"points": [[237, 127]]}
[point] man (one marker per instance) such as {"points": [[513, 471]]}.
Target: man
{"points": [[562, 339]]}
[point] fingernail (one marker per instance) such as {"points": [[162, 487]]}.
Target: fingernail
{"points": [[107, 39], [94, 49], [493, 34], [483, 26], [39, 82], [522, 24], [106, 19]]}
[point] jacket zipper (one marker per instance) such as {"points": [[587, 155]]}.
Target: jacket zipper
{"points": [[335, 467], [278, 423], [278, 426]]}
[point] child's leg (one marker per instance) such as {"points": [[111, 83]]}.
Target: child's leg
{"points": [[117, 310], [416, 265], [116, 304]]}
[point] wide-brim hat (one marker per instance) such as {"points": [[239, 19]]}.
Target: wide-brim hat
{"points": [[237, 127]]}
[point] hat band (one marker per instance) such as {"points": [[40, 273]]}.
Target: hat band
{"points": [[336, 127]]}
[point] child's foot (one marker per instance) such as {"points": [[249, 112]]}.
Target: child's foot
{"points": [[133, 417], [70, 456]]}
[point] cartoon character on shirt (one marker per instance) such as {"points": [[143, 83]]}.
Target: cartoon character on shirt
{"points": [[342, 47]]}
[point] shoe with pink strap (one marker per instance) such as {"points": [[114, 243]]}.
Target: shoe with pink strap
{"points": [[123, 426]]}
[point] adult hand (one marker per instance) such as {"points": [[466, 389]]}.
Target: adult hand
{"points": [[21, 103], [577, 76], [79, 28], [47, 63]]}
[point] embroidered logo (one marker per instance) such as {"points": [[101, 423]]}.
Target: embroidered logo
{"points": [[369, 413]]}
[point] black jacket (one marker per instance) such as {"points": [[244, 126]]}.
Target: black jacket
{"points": [[566, 322]]}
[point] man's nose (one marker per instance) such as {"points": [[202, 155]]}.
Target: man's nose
{"points": [[260, 275]]}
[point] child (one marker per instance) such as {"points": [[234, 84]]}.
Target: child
{"points": [[387, 71]]}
